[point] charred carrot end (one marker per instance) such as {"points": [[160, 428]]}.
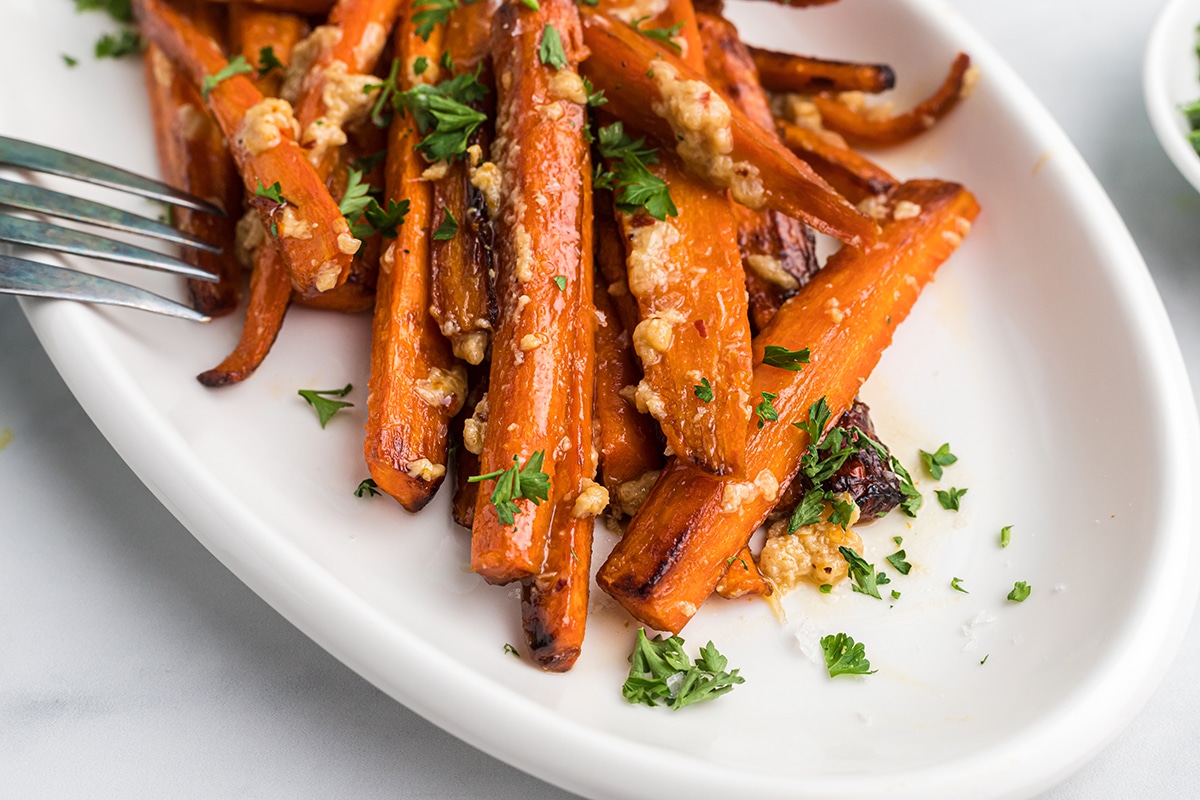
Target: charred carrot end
{"points": [[863, 128], [785, 72], [654, 91], [677, 547], [416, 386], [314, 238], [851, 173], [539, 263], [270, 292]]}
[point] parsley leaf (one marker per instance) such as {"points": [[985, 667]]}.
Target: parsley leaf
{"points": [[381, 112], [444, 114], [664, 35], [594, 99], [781, 357], [765, 411], [912, 498], [703, 390], [862, 573], [550, 51], [517, 483], [119, 10], [367, 488], [1020, 592], [934, 462], [367, 163], [514, 652], [236, 66], [956, 585], [842, 511], [70, 61], [119, 45], [431, 14], [447, 229], [382, 221], [844, 656], [268, 61], [320, 400], [808, 510], [661, 672], [274, 193], [357, 196], [950, 499], [635, 186], [1005, 535], [896, 559], [561, 282], [420, 64]]}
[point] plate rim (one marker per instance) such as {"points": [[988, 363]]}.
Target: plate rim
{"points": [[1163, 111]]}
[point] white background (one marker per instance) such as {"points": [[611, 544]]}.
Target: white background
{"points": [[132, 664]]}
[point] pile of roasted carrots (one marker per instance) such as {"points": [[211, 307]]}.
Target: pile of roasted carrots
{"points": [[586, 234]]}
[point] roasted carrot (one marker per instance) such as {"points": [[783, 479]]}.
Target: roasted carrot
{"points": [[193, 157], [469, 429], [298, 6], [554, 604], [786, 72], [778, 252], [539, 150], [313, 237], [255, 29], [653, 91], [742, 577], [851, 173], [675, 549], [626, 440], [610, 261], [863, 128], [416, 386]]}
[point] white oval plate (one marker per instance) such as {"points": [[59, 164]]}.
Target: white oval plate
{"points": [[1171, 78], [1042, 354]]}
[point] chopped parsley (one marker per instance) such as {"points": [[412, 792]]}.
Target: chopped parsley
{"points": [[825, 588], [367, 488], [118, 45], [703, 390], [432, 13], [512, 651], [447, 229], [560, 281], [896, 559], [532, 5], [550, 51], [267, 61], [321, 400], [664, 35], [956, 585], [517, 483], [381, 112], [781, 357], [274, 193], [934, 461], [119, 10], [594, 98], [420, 64], [635, 186], [865, 579], [1020, 592], [950, 499], [765, 411], [1005, 535], [444, 114], [236, 66], [661, 672], [366, 217], [844, 656], [895, 595], [70, 61]]}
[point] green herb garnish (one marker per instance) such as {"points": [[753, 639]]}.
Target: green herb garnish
{"points": [[517, 483], [320, 399], [447, 229], [661, 672], [781, 357], [844, 656], [236, 66], [635, 186], [934, 461], [367, 488], [550, 51], [950, 499], [1020, 592]]}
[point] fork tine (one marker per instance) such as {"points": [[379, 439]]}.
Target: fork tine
{"points": [[28, 197], [35, 279], [32, 233], [36, 157]]}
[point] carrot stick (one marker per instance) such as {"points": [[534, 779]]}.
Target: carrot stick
{"points": [[851, 173], [675, 550], [416, 386], [193, 157], [786, 72], [861, 128], [256, 29], [554, 604], [298, 6], [539, 150], [716, 141], [314, 238]]}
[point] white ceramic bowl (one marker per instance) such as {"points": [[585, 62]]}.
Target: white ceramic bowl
{"points": [[1171, 78]]}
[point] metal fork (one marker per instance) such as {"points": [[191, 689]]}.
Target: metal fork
{"points": [[36, 279]]}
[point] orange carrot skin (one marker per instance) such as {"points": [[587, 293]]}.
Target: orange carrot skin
{"points": [[785, 72], [554, 605], [266, 151], [861, 130], [193, 157], [764, 173], [676, 548], [851, 173], [539, 150], [408, 417], [253, 29], [270, 293], [742, 578], [297, 6]]}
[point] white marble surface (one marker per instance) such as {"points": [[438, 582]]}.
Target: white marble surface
{"points": [[132, 664]]}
